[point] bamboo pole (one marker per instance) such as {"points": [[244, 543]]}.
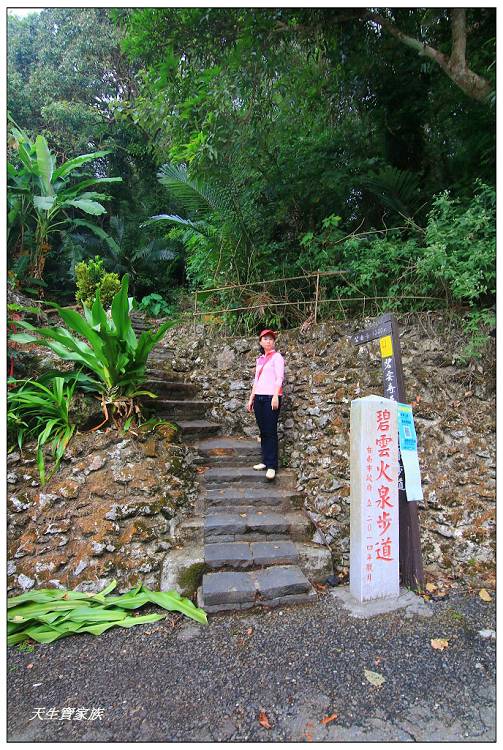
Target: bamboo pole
{"points": [[306, 302], [271, 281], [316, 298]]}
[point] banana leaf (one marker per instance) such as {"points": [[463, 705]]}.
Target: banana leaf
{"points": [[50, 595], [173, 601]]}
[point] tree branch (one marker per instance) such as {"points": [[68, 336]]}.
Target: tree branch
{"points": [[455, 66]]}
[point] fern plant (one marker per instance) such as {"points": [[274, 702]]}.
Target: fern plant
{"points": [[396, 189], [214, 215]]}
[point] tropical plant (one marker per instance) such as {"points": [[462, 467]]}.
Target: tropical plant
{"points": [[396, 189], [40, 198], [45, 615], [130, 253], [110, 350], [41, 411], [155, 306], [91, 278], [215, 217]]}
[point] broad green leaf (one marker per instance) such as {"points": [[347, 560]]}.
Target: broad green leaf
{"points": [[99, 232], [88, 206], [173, 601], [23, 338], [98, 314], [120, 314], [43, 202], [45, 165], [72, 164], [76, 189]]}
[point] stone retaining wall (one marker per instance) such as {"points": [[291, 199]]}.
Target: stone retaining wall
{"points": [[454, 412], [107, 513]]}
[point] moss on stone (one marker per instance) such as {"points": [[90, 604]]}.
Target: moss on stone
{"points": [[189, 579]]}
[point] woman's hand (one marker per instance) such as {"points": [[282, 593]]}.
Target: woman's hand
{"points": [[249, 405], [274, 403]]}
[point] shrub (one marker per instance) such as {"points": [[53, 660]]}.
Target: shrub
{"points": [[90, 278], [155, 306], [110, 350], [41, 412], [460, 252]]}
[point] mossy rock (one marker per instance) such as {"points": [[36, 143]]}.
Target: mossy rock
{"points": [[191, 578]]}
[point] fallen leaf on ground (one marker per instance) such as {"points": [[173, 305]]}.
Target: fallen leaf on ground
{"points": [[439, 643], [485, 595], [431, 587], [378, 660], [328, 719], [249, 631], [263, 720], [320, 586], [374, 677], [29, 666]]}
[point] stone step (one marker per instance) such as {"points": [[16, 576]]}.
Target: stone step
{"points": [[165, 387], [228, 451], [223, 476], [181, 408], [253, 525], [238, 498], [272, 586], [195, 429], [237, 555]]}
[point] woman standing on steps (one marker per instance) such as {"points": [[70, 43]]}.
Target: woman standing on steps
{"points": [[265, 400]]}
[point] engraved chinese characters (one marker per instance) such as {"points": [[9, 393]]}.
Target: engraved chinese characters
{"points": [[374, 553], [386, 330]]}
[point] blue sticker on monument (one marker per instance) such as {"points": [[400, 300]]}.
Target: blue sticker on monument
{"points": [[406, 429]]}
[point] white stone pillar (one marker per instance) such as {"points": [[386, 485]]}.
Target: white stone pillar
{"points": [[374, 564]]}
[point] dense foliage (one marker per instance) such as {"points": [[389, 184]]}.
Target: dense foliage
{"points": [[265, 143]]}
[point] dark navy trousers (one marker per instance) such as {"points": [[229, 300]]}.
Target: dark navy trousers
{"points": [[267, 420]]}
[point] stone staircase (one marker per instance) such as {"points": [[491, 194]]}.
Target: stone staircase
{"points": [[253, 531], [176, 400]]}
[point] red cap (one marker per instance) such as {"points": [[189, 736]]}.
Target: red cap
{"points": [[266, 331]]}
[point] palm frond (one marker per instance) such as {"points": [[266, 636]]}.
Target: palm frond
{"points": [[197, 197], [201, 227], [395, 188]]}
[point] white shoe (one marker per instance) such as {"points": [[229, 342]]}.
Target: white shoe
{"points": [[270, 473], [259, 467]]}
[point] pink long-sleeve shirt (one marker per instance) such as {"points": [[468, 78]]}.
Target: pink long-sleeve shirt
{"points": [[272, 374]]}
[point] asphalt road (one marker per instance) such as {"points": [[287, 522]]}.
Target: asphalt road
{"points": [[177, 681]]}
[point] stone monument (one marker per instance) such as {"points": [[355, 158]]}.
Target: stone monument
{"points": [[374, 542]]}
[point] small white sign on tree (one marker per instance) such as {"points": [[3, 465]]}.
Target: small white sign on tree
{"points": [[374, 560]]}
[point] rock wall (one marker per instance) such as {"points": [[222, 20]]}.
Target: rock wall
{"points": [[454, 412], [107, 513]]}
